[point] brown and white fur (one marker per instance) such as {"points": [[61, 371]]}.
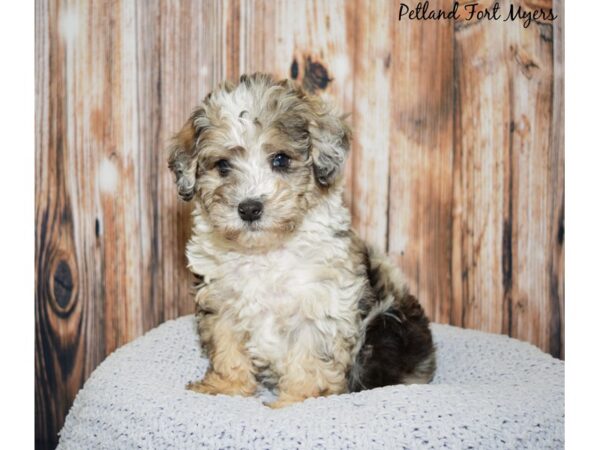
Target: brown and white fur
{"points": [[292, 297]]}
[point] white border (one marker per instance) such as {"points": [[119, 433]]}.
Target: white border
{"points": [[582, 223], [17, 222]]}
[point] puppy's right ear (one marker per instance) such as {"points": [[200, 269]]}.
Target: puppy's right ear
{"points": [[183, 158]]}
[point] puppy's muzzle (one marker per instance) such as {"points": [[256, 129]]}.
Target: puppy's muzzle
{"points": [[250, 210]]}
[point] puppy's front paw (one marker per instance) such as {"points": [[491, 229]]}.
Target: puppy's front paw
{"points": [[214, 384], [277, 404], [282, 402], [201, 387]]}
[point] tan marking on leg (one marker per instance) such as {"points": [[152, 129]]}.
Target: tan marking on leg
{"points": [[214, 383], [231, 371]]}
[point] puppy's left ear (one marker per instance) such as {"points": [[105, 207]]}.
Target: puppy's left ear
{"points": [[183, 157], [330, 136]]}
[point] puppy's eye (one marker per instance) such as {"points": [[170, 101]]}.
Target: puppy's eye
{"points": [[280, 161], [223, 167]]}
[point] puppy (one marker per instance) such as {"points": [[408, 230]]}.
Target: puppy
{"points": [[288, 295]]}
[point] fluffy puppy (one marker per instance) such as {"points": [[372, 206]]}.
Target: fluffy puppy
{"points": [[288, 295]]}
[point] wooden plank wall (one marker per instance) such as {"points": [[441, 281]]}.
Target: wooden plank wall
{"points": [[456, 170]]}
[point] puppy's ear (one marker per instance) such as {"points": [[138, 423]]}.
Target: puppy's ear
{"points": [[330, 136], [183, 158]]}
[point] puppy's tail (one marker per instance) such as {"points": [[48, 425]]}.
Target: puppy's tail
{"points": [[396, 344]]}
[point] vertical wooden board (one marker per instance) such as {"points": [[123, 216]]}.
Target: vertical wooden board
{"points": [[481, 152], [371, 117], [69, 336], [231, 38], [107, 84], [87, 121], [146, 34], [43, 364], [557, 167], [130, 197], [535, 184], [421, 147], [92, 180], [217, 48], [54, 239], [257, 28]]}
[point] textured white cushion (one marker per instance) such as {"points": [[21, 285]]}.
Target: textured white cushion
{"points": [[489, 391]]}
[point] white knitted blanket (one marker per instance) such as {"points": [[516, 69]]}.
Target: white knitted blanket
{"points": [[489, 391]]}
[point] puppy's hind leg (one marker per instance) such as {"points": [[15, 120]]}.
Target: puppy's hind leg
{"points": [[397, 345], [231, 370], [397, 349]]}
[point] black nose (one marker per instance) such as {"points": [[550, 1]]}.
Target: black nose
{"points": [[250, 210]]}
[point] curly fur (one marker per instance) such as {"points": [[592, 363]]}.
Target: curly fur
{"points": [[294, 299]]}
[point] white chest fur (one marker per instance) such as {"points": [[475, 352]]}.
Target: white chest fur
{"points": [[301, 297]]}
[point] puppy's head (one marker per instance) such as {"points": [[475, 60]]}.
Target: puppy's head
{"points": [[258, 156]]}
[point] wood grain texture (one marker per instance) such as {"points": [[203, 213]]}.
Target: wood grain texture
{"points": [[371, 111], [556, 345], [456, 170], [481, 145], [421, 157], [533, 186]]}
